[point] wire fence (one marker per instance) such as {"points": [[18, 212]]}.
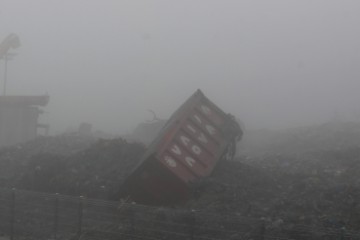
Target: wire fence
{"points": [[33, 215]]}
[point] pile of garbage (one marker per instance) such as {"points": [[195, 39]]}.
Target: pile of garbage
{"points": [[14, 160], [313, 180], [69, 164], [99, 171], [287, 190]]}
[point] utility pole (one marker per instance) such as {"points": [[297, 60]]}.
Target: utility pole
{"points": [[7, 57], [5, 73], [12, 41]]}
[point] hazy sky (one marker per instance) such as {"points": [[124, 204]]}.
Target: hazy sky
{"points": [[276, 63]]}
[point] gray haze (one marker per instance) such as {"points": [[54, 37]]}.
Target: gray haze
{"points": [[275, 64]]}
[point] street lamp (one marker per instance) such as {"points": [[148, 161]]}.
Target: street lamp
{"points": [[7, 57], [11, 41]]}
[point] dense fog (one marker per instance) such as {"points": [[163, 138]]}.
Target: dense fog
{"points": [[273, 64]]}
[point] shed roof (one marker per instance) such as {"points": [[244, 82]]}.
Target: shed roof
{"points": [[41, 100]]}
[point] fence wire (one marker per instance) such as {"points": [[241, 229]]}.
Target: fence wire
{"points": [[32, 215]]}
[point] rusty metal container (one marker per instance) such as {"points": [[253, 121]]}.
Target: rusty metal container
{"points": [[196, 137]]}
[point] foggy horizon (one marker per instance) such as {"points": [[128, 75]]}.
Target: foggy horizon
{"points": [[272, 64]]}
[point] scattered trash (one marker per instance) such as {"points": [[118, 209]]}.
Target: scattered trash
{"points": [[317, 187]]}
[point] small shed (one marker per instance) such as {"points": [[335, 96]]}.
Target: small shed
{"points": [[19, 118]]}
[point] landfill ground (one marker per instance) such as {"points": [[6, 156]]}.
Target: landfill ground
{"points": [[307, 175]]}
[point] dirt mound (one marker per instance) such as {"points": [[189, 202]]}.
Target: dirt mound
{"points": [[16, 160], [69, 165], [99, 170], [319, 186]]}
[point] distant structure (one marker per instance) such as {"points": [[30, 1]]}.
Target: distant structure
{"points": [[11, 41], [19, 118], [147, 132]]}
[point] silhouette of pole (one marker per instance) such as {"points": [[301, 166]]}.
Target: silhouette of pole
{"points": [[7, 57], [5, 74]]}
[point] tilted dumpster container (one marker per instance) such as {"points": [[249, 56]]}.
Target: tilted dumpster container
{"points": [[196, 137]]}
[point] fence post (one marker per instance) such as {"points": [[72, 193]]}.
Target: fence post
{"points": [[262, 230], [12, 216], [342, 233], [131, 216], [80, 215], [56, 215], [192, 223]]}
